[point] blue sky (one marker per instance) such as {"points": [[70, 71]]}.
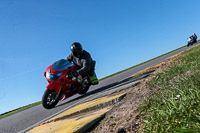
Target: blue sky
{"points": [[118, 34]]}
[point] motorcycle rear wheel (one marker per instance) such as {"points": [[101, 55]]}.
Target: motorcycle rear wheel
{"points": [[50, 99], [85, 87]]}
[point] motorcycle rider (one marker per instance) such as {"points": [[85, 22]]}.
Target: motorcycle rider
{"points": [[84, 61], [194, 37]]}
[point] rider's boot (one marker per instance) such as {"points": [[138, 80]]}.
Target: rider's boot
{"points": [[93, 79]]}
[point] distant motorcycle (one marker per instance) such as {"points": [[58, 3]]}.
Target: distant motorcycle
{"points": [[190, 41], [62, 83]]}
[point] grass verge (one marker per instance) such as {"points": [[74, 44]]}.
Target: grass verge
{"points": [[18, 110], [174, 107]]}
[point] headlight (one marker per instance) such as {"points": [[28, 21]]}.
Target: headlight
{"points": [[58, 74], [48, 75], [52, 77]]}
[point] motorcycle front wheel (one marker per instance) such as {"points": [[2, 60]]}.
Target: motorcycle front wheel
{"points": [[50, 99]]}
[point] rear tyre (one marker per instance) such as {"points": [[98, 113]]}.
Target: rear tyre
{"points": [[50, 99], [85, 87]]}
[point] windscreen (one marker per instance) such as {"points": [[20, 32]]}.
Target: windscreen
{"points": [[61, 65]]}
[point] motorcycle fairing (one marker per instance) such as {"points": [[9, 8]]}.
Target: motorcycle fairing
{"points": [[53, 86]]}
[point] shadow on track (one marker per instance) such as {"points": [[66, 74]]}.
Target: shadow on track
{"points": [[130, 79], [94, 91]]}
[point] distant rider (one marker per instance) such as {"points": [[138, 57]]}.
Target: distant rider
{"points": [[194, 37], [84, 61]]}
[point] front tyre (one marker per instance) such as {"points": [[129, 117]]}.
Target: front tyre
{"points": [[50, 99]]}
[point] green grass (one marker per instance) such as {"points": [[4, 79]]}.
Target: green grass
{"points": [[175, 107], [18, 110]]}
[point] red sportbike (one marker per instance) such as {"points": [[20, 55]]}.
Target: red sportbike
{"points": [[62, 83]]}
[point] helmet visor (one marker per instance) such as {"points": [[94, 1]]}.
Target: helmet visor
{"points": [[77, 52]]}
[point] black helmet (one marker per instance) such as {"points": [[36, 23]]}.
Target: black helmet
{"points": [[76, 49]]}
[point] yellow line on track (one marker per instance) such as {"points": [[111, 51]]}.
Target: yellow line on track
{"points": [[87, 105], [68, 125], [155, 66], [63, 124]]}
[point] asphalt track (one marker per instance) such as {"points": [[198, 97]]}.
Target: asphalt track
{"points": [[24, 120]]}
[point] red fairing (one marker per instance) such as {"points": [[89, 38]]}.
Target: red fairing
{"points": [[53, 86], [62, 81]]}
